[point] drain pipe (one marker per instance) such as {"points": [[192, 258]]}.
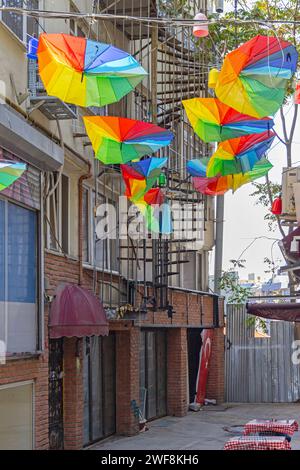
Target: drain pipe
{"points": [[80, 227]]}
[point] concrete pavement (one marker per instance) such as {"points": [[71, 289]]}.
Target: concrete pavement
{"points": [[201, 430]]}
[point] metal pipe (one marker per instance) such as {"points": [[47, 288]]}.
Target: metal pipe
{"points": [[219, 243]]}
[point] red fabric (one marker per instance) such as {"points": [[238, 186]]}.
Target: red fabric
{"points": [[242, 144], [71, 47], [205, 355], [277, 206], [297, 94], [129, 172], [257, 443], [283, 426], [254, 50], [154, 197], [76, 312]]}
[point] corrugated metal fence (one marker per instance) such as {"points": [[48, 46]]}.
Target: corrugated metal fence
{"points": [[259, 369]]}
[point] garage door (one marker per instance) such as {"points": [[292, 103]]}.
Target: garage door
{"points": [[99, 388], [153, 373]]}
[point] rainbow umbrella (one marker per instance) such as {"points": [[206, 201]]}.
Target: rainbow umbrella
{"points": [[214, 121], [254, 77], [10, 172], [140, 176], [84, 72], [120, 140], [163, 219], [197, 167], [239, 155], [218, 185], [156, 211]]}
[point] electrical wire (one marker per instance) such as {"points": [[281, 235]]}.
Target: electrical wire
{"points": [[174, 22]]}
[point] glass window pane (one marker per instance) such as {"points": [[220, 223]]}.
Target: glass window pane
{"points": [[65, 213], [16, 423], [2, 273], [85, 225], [22, 279], [101, 244], [13, 20]]}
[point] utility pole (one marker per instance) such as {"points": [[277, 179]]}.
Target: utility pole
{"points": [[219, 243]]}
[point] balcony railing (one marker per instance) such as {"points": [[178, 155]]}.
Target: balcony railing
{"points": [[53, 108]]}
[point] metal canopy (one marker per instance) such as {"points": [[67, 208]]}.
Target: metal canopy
{"points": [[275, 311], [22, 139]]}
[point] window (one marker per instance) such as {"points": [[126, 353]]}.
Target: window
{"points": [[104, 251], [16, 411], [21, 25], [18, 278], [86, 225], [58, 213]]}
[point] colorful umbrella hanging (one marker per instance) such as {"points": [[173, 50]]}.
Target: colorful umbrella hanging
{"points": [[120, 140], [197, 167], [84, 72], [239, 155], [214, 121], [220, 184], [253, 78], [158, 218], [163, 216], [10, 172], [140, 176]]}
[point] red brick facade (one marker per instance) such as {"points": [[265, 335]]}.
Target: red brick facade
{"points": [[191, 310], [32, 369]]}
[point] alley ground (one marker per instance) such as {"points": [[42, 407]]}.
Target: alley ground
{"points": [[203, 430]]}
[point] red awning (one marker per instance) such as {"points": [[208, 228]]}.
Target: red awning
{"points": [[273, 311], [76, 312]]}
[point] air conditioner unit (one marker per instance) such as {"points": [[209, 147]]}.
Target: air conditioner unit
{"points": [[290, 177]]}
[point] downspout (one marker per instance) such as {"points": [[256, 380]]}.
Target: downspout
{"points": [[80, 206]]}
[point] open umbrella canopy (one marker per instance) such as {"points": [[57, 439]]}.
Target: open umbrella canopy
{"points": [[120, 140], [254, 77], [239, 155], [214, 121], [84, 72], [10, 172], [218, 185], [157, 215], [197, 167], [139, 177]]}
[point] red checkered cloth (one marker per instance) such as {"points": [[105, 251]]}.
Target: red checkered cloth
{"points": [[257, 443], [283, 426]]}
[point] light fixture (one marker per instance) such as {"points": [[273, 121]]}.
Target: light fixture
{"points": [[200, 30], [219, 6]]}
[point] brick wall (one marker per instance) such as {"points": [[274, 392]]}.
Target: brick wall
{"points": [[177, 403], [190, 310], [215, 384], [73, 394], [127, 363], [36, 369]]}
